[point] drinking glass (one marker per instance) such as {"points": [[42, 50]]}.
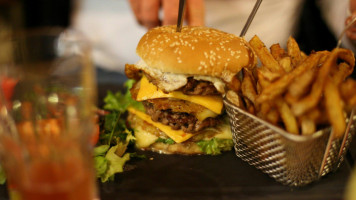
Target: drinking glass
{"points": [[47, 99]]}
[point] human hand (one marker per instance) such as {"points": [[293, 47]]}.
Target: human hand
{"points": [[147, 12], [351, 32]]}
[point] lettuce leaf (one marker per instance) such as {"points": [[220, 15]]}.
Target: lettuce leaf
{"points": [[166, 141], [120, 102], [111, 153], [215, 146], [2, 175], [115, 164]]}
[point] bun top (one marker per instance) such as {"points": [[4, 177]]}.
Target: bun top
{"points": [[195, 50]]}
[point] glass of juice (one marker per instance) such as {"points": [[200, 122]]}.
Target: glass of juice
{"points": [[47, 114]]}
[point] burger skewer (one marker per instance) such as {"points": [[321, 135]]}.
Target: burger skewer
{"points": [[180, 15], [250, 18]]}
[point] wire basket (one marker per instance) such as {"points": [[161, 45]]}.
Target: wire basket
{"points": [[292, 160]]}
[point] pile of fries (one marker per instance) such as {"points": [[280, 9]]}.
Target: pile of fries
{"points": [[297, 92]]}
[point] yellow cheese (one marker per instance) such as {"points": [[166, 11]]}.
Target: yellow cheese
{"points": [[224, 132], [143, 138], [177, 135], [205, 114], [150, 91]]}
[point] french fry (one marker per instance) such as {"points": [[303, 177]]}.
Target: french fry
{"points": [[268, 75], [302, 92], [300, 85], [273, 116], [334, 108], [280, 85], [277, 52], [289, 120], [265, 56], [249, 106], [290, 99], [340, 72], [294, 51], [248, 86], [264, 108], [262, 81], [286, 64], [347, 96], [304, 56], [307, 125], [234, 84], [234, 98], [313, 98]]}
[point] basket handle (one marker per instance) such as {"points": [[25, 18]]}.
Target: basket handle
{"points": [[343, 143]]}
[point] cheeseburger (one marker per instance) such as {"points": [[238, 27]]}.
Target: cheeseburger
{"points": [[180, 80]]}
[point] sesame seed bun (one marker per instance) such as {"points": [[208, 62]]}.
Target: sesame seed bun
{"points": [[195, 50]]}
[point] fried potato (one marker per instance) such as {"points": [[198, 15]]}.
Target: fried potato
{"points": [[265, 56], [289, 120], [313, 98], [294, 51], [234, 84], [262, 81], [267, 74], [348, 93], [273, 116], [249, 106], [300, 85], [264, 108], [340, 72], [248, 86], [277, 52], [298, 91], [286, 64], [307, 125], [234, 98], [334, 108], [280, 86]]}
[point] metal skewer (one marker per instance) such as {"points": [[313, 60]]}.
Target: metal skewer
{"points": [[250, 18], [247, 25], [180, 15], [344, 31]]}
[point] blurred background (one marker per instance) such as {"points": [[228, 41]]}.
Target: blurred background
{"points": [[114, 31]]}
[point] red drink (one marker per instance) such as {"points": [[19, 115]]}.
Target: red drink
{"points": [[60, 173], [53, 181]]}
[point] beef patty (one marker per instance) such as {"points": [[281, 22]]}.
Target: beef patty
{"points": [[179, 120]]}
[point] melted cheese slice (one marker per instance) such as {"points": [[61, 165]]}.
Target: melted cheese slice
{"points": [[150, 91], [177, 135]]}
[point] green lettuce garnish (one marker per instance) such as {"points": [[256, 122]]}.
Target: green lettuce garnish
{"points": [[166, 141], [215, 146], [111, 154], [2, 175]]}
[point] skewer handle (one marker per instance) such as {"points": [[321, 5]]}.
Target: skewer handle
{"points": [[180, 15]]}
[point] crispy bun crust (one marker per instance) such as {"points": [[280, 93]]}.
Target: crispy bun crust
{"points": [[195, 50]]}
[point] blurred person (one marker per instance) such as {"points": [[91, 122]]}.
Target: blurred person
{"points": [[147, 12], [274, 22], [112, 29], [351, 32], [322, 23]]}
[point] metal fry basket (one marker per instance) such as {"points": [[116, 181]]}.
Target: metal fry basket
{"points": [[292, 160]]}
